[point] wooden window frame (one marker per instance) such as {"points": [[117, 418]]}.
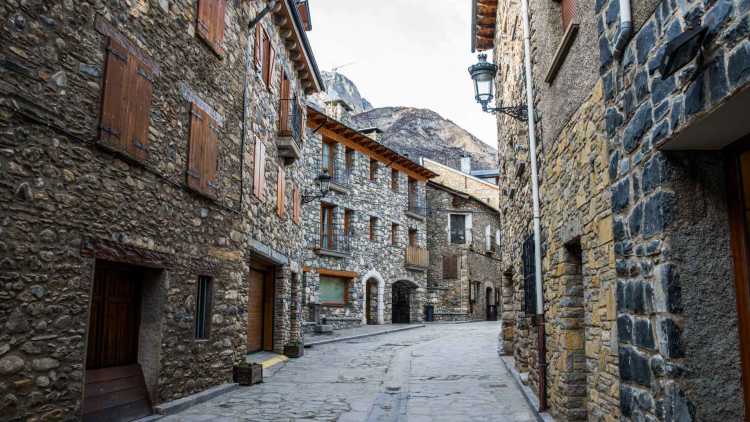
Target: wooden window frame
{"points": [[329, 146], [327, 212], [394, 234], [348, 214], [203, 308], [373, 170], [451, 229], [395, 180], [349, 160], [346, 281], [373, 229]]}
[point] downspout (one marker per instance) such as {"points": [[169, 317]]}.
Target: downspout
{"points": [[626, 29], [542, 359], [243, 131]]}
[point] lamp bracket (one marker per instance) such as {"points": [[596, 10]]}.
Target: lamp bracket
{"points": [[306, 199], [518, 112]]}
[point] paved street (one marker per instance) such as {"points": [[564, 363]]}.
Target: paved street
{"points": [[446, 372]]}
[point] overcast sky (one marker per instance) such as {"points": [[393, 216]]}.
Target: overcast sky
{"points": [[406, 53]]}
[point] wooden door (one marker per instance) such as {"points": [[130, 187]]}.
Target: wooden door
{"points": [[738, 196], [401, 305], [368, 303], [255, 314], [114, 386]]}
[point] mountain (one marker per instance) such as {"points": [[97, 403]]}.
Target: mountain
{"points": [[418, 132], [339, 87]]}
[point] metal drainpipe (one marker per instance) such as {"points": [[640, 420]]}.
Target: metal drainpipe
{"points": [[626, 29], [243, 131], [542, 360]]}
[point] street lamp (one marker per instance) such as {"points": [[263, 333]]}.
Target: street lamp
{"points": [[324, 185], [483, 75]]}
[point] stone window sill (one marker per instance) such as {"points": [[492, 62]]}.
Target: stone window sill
{"points": [[335, 254], [415, 216], [562, 51], [415, 268]]}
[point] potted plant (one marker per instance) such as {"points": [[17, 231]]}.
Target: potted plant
{"points": [[295, 349], [247, 373]]}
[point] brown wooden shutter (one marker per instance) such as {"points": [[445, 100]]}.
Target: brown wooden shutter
{"points": [[196, 147], [211, 158], [271, 65], [284, 106], [259, 178], [140, 92], [568, 10], [280, 191], [203, 19], [297, 204], [258, 47], [114, 123], [218, 36], [450, 267], [210, 23]]}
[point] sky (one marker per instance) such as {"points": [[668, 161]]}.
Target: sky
{"points": [[412, 53]]}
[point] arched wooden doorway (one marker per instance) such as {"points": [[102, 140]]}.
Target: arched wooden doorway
{"points": [[402, 295]]}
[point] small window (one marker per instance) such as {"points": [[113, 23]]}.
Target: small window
{"points": [[328, 157], [326, 226], [394, 180], [373, 226], [412, 237], [334, 290], [458, 229], [450, 267], [349, 160], [203, 308], [373, 169], [394, 234], [348, 223]]}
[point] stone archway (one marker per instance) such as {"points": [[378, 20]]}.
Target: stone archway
{"points": [[373, 277], [403, 302]]}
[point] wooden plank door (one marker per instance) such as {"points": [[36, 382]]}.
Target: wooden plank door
{"points": [[368, 303], [255, 314], [738, 197]]}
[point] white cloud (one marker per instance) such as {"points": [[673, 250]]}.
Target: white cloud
{"points": [[406, 53]]}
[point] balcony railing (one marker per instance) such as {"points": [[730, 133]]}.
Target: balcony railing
{"points": [[417, 257], [417, 206], [337, 242], [290, 128]]}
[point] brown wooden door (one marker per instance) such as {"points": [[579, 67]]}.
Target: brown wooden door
{"points": [[368, 303], [738, 195], [255, 314]]}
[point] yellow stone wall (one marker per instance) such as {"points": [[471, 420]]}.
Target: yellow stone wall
{"points": [[448, 176]]}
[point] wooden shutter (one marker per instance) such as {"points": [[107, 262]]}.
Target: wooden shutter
{"points": [[296, 204], [271, 65], [210, 23], [211, 158], [203, 152], [258, 47], [284, 106], [114, 123], [259, 176], [450, 267], [126, 102], [280, 191], [568, 10]]}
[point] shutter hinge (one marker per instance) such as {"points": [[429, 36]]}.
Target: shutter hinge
{"points": [[142, 73], [194, 174], [117, 54], [110, 131], [137, 143]]}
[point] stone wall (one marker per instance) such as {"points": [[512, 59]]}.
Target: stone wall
{"points": [[476, 263], [67, 203], [378, 260], [668, 206], [463, 182]]}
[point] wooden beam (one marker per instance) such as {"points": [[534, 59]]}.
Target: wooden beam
{"points": [[337, 273]]}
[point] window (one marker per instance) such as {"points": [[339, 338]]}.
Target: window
{"points": [[394, 180], [349, 160], [334, 290], [210, 23], [394, 234], [203, 308], [296, 204], [458, 229], [304, 287], [203, 160], [281, 191], [326, 226], [412, 237], [259, 166], [487, 238], [373, 227], [529, 276], [348, 222], [126, 105], [328, 157], [373, 169], [285, 106], [450, 267], [412, 193]]}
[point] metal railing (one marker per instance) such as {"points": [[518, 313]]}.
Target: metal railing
{"points": [[290, 119], [416, 205], [417, 257], [338, 241]]}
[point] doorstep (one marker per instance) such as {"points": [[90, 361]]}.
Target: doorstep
{"points": [[270, 361], [531, 398]]}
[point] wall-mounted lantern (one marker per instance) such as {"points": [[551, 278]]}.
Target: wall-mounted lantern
{"points": [[324, 185], [483, 75]]}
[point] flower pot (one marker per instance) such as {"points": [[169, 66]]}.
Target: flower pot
{"points": [[248, 374]]}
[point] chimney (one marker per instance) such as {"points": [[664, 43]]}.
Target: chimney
{"points": [[466, 164], [372, 133], [339, 110]]}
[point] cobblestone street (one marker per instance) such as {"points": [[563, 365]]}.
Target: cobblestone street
{"points": [[446, 372]]}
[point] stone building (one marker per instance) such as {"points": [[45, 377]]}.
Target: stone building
{"points": [[466, 181], [463, 239], [579, 377], [365, 240], [149, 153]]}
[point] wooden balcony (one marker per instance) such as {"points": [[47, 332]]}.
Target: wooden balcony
{"points": [[417, 258]]}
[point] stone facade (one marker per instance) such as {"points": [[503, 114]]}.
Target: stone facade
{"points": [[474, 292], [581, 376], [356, 201], [70, 205], [680, 355], [461, 181]]}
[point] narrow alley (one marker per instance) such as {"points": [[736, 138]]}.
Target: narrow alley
{"points": [[443, 372]]}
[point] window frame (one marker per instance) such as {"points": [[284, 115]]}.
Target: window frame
{"points": [[346, 284], [394, 234], [373, 235], [373, 169], [327, 212], [464, 239], [395, 182]]}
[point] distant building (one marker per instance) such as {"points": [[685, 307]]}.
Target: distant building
{"points": [[484, 189]]}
